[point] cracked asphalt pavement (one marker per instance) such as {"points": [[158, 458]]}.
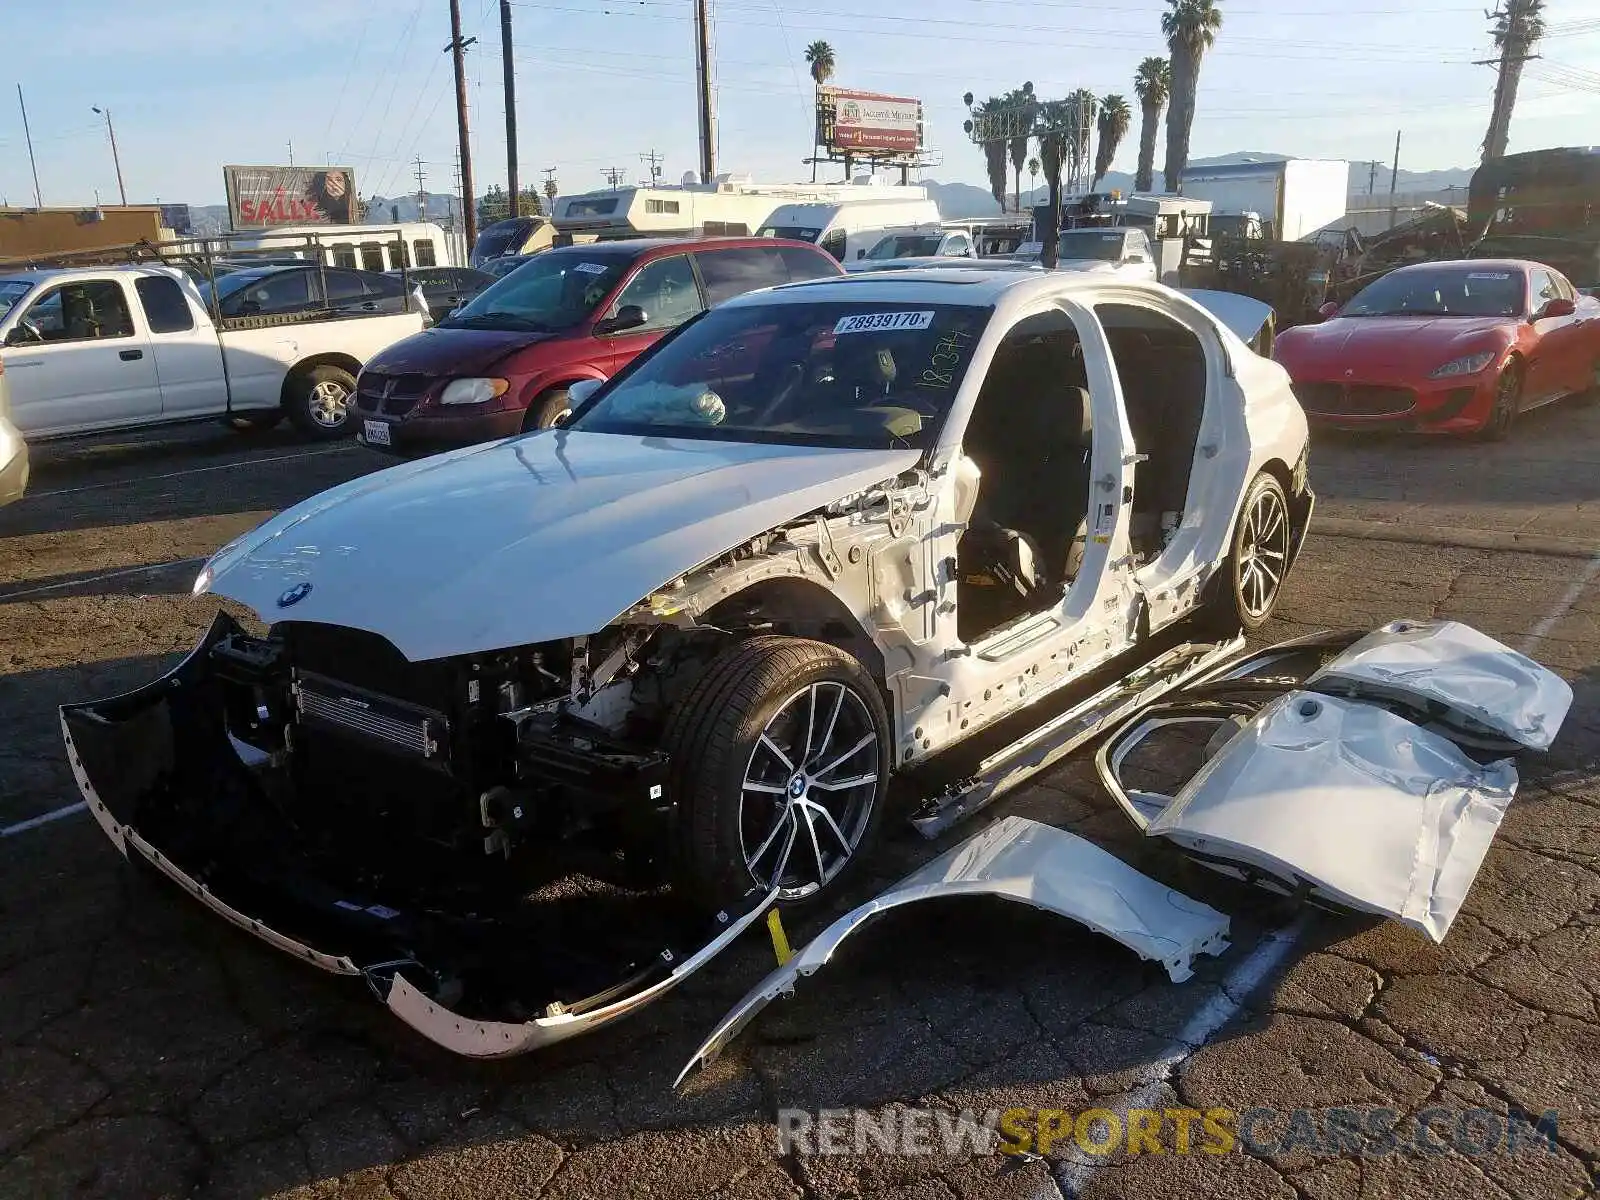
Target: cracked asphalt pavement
{"points": [[148, 1049]]}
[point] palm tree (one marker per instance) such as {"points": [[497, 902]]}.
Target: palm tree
{"points": [[1517, 27], [1115, 117], [994, 148], [1152, 83], [1033, 176], [1191, 29], [1023, 102], [819, 56]]}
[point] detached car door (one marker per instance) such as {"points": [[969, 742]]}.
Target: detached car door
{"points": [[76, 361], [184, 347]]}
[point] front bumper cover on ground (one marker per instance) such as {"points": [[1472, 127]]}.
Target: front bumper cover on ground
{"points": [[168, 786]]}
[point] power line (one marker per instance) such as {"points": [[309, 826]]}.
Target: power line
{"points": [[652, 160]]}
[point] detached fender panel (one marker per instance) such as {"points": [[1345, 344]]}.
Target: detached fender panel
{"points": [[1023, 861]]}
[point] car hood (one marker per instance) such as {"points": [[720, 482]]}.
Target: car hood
{"points": [[542, 536], [1408, 345], [448, 351]]}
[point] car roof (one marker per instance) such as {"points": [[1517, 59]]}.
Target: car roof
{"points": [[639, 247], [929, 285], [1477, 264], [40, 274]]}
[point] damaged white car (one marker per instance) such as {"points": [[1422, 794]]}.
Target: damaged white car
{"points": [[539, 726]]}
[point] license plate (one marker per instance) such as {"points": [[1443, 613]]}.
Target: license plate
{"points": [[375, 433]]}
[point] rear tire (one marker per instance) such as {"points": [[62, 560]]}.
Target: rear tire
{"points": [[780, 742], [1507, 400], [544, 410], [321, 402], [1251, 581]]}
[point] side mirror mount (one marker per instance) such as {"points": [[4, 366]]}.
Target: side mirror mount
{"points": [[1559, 307], [1328, 310], [629, 316], [967, 479], [19, 336], [579, 393], [861, 253]]}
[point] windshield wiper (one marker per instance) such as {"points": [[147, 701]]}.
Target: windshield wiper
{"points": [[494, 320]]}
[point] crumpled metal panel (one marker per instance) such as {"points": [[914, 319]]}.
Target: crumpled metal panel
{"points": [[1349, 800], [1488, 688], [1025, 861]]}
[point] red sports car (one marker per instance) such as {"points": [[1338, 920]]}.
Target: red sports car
{"points": [[1447, 347]]}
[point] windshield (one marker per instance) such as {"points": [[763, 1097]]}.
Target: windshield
{"points": [[1089, 244], [496, 240], [857, 375], [800, 233], [1447, 292], [549, 292], [12, 290], [919, 245]]}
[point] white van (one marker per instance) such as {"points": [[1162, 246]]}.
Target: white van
{"points": [[848, 229]]}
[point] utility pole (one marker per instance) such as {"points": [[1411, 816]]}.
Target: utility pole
{"points": [[551, 191], [1394, 178], [511, 108], [614, 176], [422, 192], [1517, 27], [38, 200], [114, 158], [1372, 176], [652, 160], [703, 70], [291, 153], [457, 49]]}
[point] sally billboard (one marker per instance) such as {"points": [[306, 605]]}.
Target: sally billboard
{"points": [[264, 197]]}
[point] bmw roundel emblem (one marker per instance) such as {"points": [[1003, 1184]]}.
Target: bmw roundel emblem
{"points": [[294, 595]]}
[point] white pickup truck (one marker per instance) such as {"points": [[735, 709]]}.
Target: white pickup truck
{"points": [[87, 349]]}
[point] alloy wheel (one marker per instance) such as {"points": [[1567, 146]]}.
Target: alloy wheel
{"points": [[329, 404], [809, 789], [1263, 552]]}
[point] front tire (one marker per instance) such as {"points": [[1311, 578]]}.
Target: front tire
{"points": [[1507, 400], [780, 763], [320, 402], [544, 410], [1251, 581]]}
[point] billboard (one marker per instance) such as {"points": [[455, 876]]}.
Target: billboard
{"points": [[262, 197], [867, 122]]}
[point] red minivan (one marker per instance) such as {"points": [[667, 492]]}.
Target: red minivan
{"points": [[502, 363]]}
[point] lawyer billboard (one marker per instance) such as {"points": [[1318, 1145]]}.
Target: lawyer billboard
{"points": [[264, 197], [869, 122]]}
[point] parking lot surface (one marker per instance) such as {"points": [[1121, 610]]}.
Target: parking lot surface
{"points": [[147, 1049]]}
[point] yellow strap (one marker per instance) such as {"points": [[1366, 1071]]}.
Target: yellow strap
{"points": [[780, 940]]}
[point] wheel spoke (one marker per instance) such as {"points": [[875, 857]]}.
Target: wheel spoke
{"points": [[778, 752], [811, 722], [833, 719], [1268, 572], [866, 740], [771, 789], [1275, 522], [837, 832], [785, 817], [841, 785], [816, 846]]}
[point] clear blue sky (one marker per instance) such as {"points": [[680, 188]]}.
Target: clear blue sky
{"points": [[193, 84]]}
